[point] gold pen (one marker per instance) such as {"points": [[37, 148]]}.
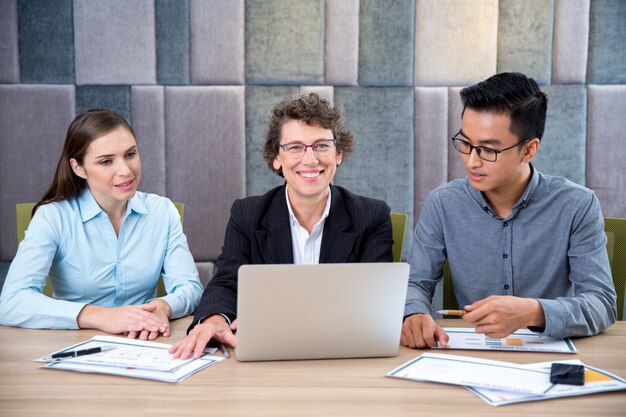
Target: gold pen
{"points": [[452, 312]]}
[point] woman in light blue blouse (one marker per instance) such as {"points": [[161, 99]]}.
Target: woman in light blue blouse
{"points": [[102, 243]]}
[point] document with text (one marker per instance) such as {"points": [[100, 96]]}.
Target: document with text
{"points": [[128, 357], [522, 340]]}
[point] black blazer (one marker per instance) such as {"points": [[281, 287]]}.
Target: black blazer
{"points": [[357, 229]]}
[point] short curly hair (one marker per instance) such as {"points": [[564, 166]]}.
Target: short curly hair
{"points": [[314, 111]]}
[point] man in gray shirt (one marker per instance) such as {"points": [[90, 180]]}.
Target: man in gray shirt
{"points": [[524, 249]]}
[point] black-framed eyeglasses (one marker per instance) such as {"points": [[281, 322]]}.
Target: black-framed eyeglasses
{"points": [[483, 152], [297, 150]]}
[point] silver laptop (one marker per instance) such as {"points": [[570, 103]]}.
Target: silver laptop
{"points": [[321, 311]]}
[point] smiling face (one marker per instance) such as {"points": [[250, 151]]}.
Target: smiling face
{"points": [[112, 168], [508, 175], [308, 177]]}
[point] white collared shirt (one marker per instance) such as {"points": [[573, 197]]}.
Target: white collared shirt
{"points": [[306, 248]]}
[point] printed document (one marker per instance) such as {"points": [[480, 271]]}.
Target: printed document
{"points": [[132, 358], [522, 340]]}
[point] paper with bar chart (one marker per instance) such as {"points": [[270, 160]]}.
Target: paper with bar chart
{"points": [[522, 340]]}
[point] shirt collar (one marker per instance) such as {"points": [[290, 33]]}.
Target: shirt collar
{"points": [[89, 208], [292, 217], [523, 201]]}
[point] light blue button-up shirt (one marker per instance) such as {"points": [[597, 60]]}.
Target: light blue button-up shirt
{"points": [[552, 247], [74, 243]]}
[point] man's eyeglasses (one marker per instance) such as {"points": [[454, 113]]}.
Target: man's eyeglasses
{"points": [[297, 150], [483, 152]]}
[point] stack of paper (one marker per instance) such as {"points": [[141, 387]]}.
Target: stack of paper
{"points": [[500, 383], [132, 358]]}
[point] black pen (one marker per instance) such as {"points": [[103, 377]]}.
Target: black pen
{"points": [[83, 352]]}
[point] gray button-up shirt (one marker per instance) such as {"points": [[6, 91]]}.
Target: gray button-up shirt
{"points": [[552, 247]]}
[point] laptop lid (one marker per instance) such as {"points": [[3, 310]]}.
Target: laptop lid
{"points": [[320, 311]]}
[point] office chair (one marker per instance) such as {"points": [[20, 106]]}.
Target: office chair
{"points": [[23, 215], [398, 224], [615, 230]]}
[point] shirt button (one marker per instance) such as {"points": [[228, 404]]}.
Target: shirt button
{"points": [[504, 255], [505, 224], [506, 287]]}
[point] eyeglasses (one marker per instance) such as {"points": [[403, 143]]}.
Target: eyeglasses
{"points": [[297, 150], [483, 152]]}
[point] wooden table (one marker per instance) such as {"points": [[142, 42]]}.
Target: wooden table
{"points": [[349, 387]]}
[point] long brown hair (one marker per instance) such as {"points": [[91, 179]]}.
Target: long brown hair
{"points": [[84, 129]]}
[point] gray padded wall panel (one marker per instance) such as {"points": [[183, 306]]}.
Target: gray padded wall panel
{"points": [[259, 104], [113, 97], [217, 42], [34, 119], [570, 42], [9, 57], [606, 175], [455, 165], [381, 165], [205, 149], [284, 42], [172, 31], [205, 270], [463, 53], [431, 142], [525, 38], [386, 39], [148, 114], [46, 41], [607, 37], [342, 42], [562, 150], [115, 42]]}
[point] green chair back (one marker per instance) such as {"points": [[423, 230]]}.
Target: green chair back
{"points": [[398, 224], [615, 230], [23, 215]]}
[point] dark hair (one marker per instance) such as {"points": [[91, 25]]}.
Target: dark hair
{"points": [[84, 129], [312, 110], [513, 94]]}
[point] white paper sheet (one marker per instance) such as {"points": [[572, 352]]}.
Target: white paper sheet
{"points": [[132, 358], [522, 340], [468, 371]]}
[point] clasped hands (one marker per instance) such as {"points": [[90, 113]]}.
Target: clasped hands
{"points": [[494, 316], [144, 321]]}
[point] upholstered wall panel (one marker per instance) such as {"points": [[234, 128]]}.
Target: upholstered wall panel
{"points": [[562, 150], [34, 119], [325, 91], [606, 175], [386, 39], [451, 49], [46, 41], [148, 110], [172, 30], [431, 142], [284, 42], [9, 57], [217, 40], [259, 104], [570, 42], [381, 165], [342, 42], [455, 165], [115, 42], [205, 149], [525, 38], [113, 97], [607, 37]]}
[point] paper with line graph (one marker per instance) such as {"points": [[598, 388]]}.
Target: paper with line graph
{"points": [[522, 340]]}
